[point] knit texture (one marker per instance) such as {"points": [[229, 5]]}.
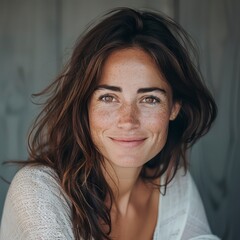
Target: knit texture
{"points": [[37, 208]]}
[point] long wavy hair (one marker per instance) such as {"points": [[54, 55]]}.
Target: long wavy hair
{"points": [[61, 139]]}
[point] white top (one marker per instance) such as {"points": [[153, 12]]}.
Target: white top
{"points": [[37, 208]]}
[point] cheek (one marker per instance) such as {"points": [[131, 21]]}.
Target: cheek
{"points": [[157, 121], [158, 126], [100, 120]]}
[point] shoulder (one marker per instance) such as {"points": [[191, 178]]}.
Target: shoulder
{"points": [[31, 175], [181, 212], [36, 205], [36, 181], [196, 225]]}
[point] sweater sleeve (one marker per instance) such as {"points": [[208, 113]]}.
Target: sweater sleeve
{"points": [[36, 207]]}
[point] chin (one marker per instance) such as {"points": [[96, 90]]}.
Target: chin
{"points": [[129, 162]]}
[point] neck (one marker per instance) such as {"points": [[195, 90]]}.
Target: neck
{"points": [[123, 182]]}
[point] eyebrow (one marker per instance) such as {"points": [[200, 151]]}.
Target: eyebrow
{"points": [[140, 90]]}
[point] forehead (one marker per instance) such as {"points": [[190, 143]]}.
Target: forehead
{"points": [[132, 66], [131, 57]]}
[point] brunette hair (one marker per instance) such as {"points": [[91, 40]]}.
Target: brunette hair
{"points": [[61, 138]]}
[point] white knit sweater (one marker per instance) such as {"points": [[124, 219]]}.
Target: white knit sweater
{"points": [[37, 208]]}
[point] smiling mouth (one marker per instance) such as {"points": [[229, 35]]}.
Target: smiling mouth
{"points": [[128, 142]]}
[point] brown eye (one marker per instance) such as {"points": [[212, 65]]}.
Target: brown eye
{"points": [[107, 98], [151, 100]]}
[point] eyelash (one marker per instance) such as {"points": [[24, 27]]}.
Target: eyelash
{"points": [[103, 98], [155, 100]]}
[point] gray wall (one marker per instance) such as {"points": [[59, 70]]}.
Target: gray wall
{"points": [[36, 37]]}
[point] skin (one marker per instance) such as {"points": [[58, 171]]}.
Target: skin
{"points": [[129, 115]]}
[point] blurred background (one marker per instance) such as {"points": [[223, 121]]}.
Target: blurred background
{"points": [[36, 38]]}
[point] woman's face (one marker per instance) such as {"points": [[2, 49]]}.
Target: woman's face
{"points": [[130, 110]]}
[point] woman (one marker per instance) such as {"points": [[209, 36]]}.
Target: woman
{"points": [[107, 156]]}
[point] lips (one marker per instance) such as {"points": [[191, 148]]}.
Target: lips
{"points": [[128, 142]]}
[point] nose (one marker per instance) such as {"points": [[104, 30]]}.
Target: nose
{"points": [[128, 117]]}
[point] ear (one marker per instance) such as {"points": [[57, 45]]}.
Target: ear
{"points": [[175, 110]]}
